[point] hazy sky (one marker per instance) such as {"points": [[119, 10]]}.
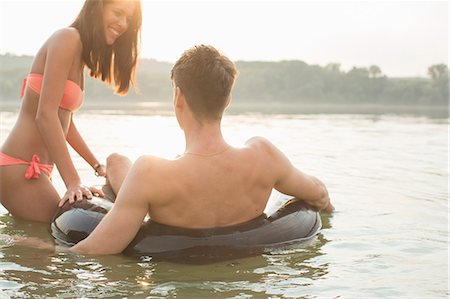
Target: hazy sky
{"points": [[402, 37]]}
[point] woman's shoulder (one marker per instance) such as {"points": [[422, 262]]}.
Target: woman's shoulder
{"points": [[68, 36]]}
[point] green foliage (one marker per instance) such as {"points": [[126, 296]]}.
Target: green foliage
{"points": [[439, 87], [266, 82]]}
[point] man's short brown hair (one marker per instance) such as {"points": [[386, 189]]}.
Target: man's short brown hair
{"points": [[205, 76]]}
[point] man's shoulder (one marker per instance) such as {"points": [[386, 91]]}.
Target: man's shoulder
{"points": [[259, 143], [157, 177], [149, 165], [263, 149], [149, 162]]}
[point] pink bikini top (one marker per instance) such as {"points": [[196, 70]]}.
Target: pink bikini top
{"points": [[72, 97]]}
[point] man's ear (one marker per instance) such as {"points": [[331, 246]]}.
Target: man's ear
{"points": [[228, 102], [179, 97]]}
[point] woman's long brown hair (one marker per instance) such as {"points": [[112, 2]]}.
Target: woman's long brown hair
{"points": [[115, 64]]}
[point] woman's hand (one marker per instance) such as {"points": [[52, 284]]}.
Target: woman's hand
{"points": [[75, 193], [97, 192], [100, 170]]}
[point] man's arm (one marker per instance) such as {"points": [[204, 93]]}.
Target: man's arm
{"points": [[305, 187], [291, 181], [121, 224]]}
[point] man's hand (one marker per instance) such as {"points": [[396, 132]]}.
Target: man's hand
{"points": [[329, 208]]}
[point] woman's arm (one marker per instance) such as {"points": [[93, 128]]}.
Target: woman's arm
{"points": [[79, 145], [62, 48]]}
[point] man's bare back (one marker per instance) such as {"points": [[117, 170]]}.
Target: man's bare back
{"points": [[196, 191]]}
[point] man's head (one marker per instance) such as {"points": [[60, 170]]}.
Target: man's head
{"points": [[205, 77]]}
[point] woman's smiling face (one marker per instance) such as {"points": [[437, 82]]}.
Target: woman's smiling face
{"points": [[116, 19]]}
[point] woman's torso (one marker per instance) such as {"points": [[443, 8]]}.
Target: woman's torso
{"points": [[25, 138]]}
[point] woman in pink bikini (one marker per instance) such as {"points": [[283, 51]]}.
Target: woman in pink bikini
{"points": [[105, 39]]}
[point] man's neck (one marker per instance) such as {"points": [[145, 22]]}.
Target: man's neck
{"points": [[205, 140]]}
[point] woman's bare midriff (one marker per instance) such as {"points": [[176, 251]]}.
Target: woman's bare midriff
{"points": [[25, 139]]}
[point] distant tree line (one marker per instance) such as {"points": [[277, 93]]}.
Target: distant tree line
{"points": [[284, 81]]}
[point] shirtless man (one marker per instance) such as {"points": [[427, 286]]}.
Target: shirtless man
{"points": [[212, 184]]}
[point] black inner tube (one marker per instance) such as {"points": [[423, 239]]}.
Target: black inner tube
{"points": [[294, 221]]}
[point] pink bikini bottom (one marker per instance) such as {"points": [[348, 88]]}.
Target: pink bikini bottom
{"points": [[34, 169]]}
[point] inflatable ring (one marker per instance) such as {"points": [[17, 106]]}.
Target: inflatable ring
{"points": [[292, 222]]}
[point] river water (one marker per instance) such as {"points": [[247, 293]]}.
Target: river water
{"points": [[387, 175]]}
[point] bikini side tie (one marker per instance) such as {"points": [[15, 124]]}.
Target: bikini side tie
{"points": [[34, 170]]}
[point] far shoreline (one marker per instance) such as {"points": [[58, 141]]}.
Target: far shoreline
{"points": [[165, 108]]}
